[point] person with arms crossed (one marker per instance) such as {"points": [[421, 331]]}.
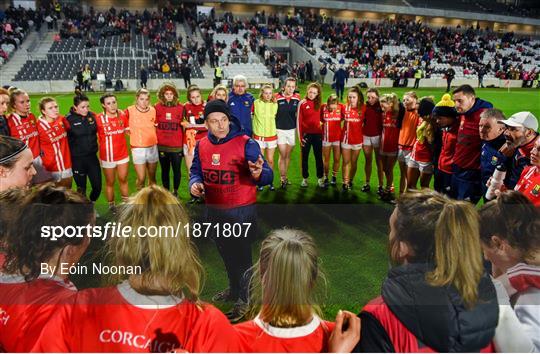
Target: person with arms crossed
{"points": [[331, 117], [351, 136], [372, 130], [240, 103], [226, 169]]}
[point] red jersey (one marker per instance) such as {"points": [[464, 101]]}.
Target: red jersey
{"points": [[26, 307], [169, 125], [54, 145], [118, 319], [469, 144], [309, 118], [194, 114], [421, 151], [111, 137], [449, 140], [529, 184], [331, 123], [352, 129], [373, 122], [390, 134], [259, 337], [25, 129]]}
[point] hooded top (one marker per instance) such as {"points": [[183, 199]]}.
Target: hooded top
{"points": [[436, 316]]}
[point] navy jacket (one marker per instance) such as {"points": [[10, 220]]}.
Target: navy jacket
{"points": [[240, 106], [340, 77], [490, 158]]}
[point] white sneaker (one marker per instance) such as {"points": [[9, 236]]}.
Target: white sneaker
{"points": [[321, 182], [304, 183]]}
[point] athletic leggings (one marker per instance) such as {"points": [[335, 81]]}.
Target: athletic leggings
{"points": [[168, 160], [87, 166], [316, 141]]}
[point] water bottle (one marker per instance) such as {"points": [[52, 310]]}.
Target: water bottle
{"points": [[496, 181]]}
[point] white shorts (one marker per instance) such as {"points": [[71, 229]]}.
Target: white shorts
{"points": [[404, 156], [374, 141], [42, 175], [330, 143], [286, 137], [424, 167], [351, 147], [145, 155], [113, 164], [267, 144], [60, 175]]}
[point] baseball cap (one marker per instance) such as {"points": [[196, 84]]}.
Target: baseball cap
{"points": [[521, 119], [216, 106]]}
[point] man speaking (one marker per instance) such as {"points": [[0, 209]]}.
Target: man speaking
{"points": [[227, 167]]}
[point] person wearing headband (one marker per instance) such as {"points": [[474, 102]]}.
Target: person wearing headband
{"points": [[16, 164]]}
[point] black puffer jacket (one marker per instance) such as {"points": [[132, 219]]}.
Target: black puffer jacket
{"points": [[436, 316], [82, 136]]}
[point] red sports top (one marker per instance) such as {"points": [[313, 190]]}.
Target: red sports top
{"points": [[54, 145], [26, 307], [194, 114], [227, 180], [118, 319], [259, 337], [373, 125], [449, 140], [25, 129], [309, 118], [169, 125], [529, 184], [390, 134], [352, 129], [421, 151], [469, 144], [331, 123], [111, 136]]}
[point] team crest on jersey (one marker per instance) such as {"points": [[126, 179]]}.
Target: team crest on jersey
{"points": [[246, 103], [216, 159], [536, 190], [90, 120], [494, 160]]}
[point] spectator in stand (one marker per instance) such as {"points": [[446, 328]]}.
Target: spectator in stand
{"points": [[445, 115], [494, 145], [322, 73], [466, 170], [143, 75], [87, 78], [372, 130], [521, 135], [407, 135], [185, 71], [450, 74], [241, 102]]}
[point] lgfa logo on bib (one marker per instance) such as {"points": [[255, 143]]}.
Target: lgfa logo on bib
{"points": [[216, 159]]}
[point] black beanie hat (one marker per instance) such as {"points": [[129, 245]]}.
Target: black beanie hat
{"points": [[216, 106], [425, 107]]}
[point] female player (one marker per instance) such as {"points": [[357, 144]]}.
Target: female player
{"points": [[407, 135], [219, 93], [82, 138], [16, 164], [53, 142], [32, 283], [510, 237], [436, 253], [446, 117], [284, 290], [143, 138], [420, 163], [310, 132], [155, 308], [331, 118], [389, 142], [529, 182], [193, 122], [22, 125], [372, 130], [169, 116], [264, 125], [4, 105], [352, 137], [113, 151]]}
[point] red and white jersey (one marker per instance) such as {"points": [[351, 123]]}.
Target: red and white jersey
{"points": [[25, 129], [54, 145], [111, 136], [118, 319], [258, 336], [529, 184], [194, 114], [421, 151], [331, 123], [25, 308], [390, 134], [352, 129]]}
